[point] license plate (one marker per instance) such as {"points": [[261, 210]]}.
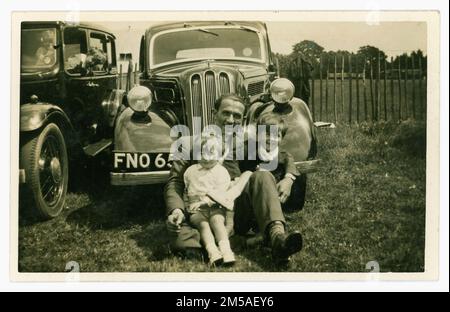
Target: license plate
{"points": [[137, 162]]}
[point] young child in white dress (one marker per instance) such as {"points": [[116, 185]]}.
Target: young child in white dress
{"points": [[210, 200]]}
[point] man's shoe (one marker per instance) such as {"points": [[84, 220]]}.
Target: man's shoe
{"points": [[284, 246]]}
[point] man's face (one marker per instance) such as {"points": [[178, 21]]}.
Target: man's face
{"points": [[230, 113], [273, 137]]}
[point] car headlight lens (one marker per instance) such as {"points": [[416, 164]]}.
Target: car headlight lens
{"points": [[282, 90], [139, 99]]}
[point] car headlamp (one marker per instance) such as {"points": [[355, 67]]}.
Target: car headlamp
{"points": [[282, 90], [139, 99]]}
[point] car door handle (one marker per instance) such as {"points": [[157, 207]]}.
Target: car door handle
{"points": [[92, 84]]}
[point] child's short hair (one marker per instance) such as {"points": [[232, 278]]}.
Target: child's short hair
{"points": [[270, 119]]}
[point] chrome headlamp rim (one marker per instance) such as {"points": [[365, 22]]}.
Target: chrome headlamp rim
{"points": [[282, 90], [140, 99]]}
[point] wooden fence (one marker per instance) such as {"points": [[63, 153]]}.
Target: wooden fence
{"points": [[125, 81], [364, 90], [367, 90]]}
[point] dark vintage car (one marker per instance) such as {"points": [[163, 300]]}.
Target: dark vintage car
{"points": [[187, 66], [68, 102]]}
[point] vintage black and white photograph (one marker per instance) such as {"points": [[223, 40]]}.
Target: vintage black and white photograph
{"points": [[220, 143]]}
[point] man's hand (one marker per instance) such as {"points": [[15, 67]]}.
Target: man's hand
{"points": [[284, 189], [174, 221]]}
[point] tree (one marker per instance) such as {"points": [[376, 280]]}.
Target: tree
{"points": [[372, 54], [308, 49]]}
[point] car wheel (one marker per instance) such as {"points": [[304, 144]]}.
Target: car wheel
{"points": [[45, 161]]}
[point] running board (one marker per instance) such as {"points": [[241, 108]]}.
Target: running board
{"points": [[97, 147]]}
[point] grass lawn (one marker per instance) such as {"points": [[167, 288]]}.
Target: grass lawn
{"points": [[366, 204]]}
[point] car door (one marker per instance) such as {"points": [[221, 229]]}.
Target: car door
{"points": [[89, 61], [102, 80]]}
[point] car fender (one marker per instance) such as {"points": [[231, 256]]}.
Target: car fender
{"points": [[151, 135], [35, 116], [300, 138]]}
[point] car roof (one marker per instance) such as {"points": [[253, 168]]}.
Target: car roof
{"points": [[91, 26], [174, 25]]}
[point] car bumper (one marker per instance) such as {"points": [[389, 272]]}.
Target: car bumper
{"points": [[159, 177], [139, 178]]}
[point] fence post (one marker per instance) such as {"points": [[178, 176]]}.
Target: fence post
{"points": [[136, 75], [320, 78], [350, 89], [385, 90], [342, 85], [399, 89], [421, 95], [300, 64], [313, 93], [413, 68], [129, 73], [334, 87], [120, 76], [392, 88], [326, 88], [405, 81], [365, 89], [357, 90], [377, 89], [372, 103]]}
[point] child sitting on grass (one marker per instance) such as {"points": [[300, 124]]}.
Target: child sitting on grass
{"points": [[210, 200]]}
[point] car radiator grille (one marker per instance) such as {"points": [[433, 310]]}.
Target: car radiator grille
{"points": [[205, 89], [255, 88]]}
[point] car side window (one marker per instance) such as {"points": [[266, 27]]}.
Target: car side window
{"points": [[75, 50], [97, 59]]}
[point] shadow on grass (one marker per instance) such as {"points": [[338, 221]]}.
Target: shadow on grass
{"points": [[154, 241], [120, 207]]}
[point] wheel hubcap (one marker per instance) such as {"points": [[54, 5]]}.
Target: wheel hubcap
{"points": [[51, 171], [55, 169]]}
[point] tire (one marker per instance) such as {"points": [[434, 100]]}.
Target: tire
{"points": [[296, 200], [44, 158]]}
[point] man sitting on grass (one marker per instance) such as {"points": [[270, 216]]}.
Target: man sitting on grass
{"points": [[260, 200]]}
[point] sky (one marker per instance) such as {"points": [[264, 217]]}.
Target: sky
{"points": [[393, 38]]}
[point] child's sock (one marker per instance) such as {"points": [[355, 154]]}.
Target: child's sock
{"points": [[214, 254], [225, 249]]}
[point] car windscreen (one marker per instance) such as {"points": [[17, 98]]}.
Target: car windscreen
{"points": [[205, 43], [38, 49]]}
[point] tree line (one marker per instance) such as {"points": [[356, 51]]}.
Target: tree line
{"points": [[309, 57]]}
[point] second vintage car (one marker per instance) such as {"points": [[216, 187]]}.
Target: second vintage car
{"points": [[184, 68], [68, 103]]}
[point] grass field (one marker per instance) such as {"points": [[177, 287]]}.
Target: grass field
{"points": [[366, 204]]}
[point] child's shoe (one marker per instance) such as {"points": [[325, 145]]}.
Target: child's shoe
{"points": [[228, 256], [214, 255]]}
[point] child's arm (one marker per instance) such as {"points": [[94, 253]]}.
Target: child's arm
{"points": [[227, 198], [238, 186]]}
